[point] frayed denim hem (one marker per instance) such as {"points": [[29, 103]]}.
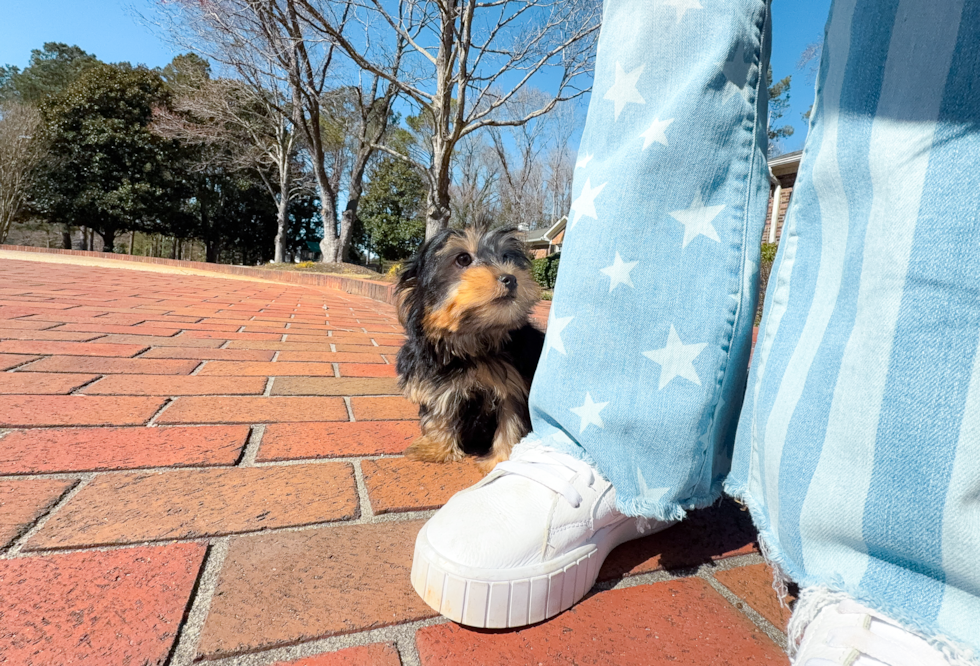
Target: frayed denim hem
{"points": [[817, 593], [637, 507]]}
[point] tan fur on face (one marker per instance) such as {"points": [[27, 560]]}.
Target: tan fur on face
{"points": [[477, 288], [477, 302]]}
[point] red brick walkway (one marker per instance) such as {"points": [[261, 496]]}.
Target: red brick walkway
{"points": [[196, 468]]}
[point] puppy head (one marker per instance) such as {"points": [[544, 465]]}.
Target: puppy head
{"points": [[466, 284]]}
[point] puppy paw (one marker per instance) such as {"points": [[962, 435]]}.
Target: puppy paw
{"points": [[427, 449], [486, 463]]}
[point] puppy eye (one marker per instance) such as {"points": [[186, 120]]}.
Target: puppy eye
{"points": [[463, 260]]}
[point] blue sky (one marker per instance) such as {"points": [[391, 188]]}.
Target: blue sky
{"points": [[109, 29]]}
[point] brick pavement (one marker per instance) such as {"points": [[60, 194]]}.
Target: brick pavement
{"points": [[199, 469]]}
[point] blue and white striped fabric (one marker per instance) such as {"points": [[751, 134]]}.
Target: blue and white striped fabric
{"points": [[858, 444]]}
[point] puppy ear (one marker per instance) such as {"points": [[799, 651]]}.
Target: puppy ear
{"points": [[405, 289]]}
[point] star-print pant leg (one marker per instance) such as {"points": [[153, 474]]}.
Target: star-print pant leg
{"points": [[858, 448], [648, 341]]}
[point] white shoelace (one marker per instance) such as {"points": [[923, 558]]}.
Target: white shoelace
{"points": [[551, 469]]}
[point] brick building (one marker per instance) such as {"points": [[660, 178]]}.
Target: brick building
{"points": [[543, 243], [782, 172]]}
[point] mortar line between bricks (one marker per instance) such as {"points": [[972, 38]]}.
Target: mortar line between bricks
{"points": [[15, 548], [275, 357], [350, 409], [198, 369], [362, 492], [400, 634], [336, 369], [26, 363], [152, 423], [333, 348], [251, 448], [224, 345], [661, 575], [77, 389], [741, 605], [407, 516], [268, 387], [189, 634]]}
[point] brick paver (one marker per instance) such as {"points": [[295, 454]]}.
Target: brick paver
{"points": [[167, 385], [254, 410], [43, 383], [186, 504], [383, 409], [319, 585], [112, 608], [23, 501], [24, 411], [336, 386], [81, 450], [753, 583], [399, 484], [200, 414], [285, 441], [675, 623]]}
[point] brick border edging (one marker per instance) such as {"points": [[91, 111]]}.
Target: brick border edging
{"points": [[378, 291]]}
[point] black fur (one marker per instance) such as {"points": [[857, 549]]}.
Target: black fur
{"points": [[422, 285]]}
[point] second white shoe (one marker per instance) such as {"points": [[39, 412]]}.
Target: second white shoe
{"points": [[523, 544], [849, 634]]}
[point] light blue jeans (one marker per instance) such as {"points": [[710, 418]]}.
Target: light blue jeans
{"points": [[855, 438]]}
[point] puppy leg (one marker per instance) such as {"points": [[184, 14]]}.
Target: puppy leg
{"points": [[439, 441], [513, 423]]}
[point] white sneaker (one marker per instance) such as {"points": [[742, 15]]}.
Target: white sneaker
{"points": [[848, 634], [523, 544]]}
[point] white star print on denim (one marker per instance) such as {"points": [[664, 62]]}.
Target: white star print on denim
{"points": [[676, 359], [552, 339], [584, 205], [862, 408], [589, 413], [655, 133], [624, 91], [619, 272], [682, 6], [583, 161], [697, 220]]}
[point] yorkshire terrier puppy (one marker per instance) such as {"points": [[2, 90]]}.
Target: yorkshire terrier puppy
{"points": [[464, 301]]}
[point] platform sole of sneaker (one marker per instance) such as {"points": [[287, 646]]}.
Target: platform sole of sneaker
{"points": [[502, 599]]}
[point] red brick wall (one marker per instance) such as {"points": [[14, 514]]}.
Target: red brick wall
{"points": [[787, 183]]}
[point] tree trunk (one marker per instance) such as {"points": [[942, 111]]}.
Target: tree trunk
{"points": [[210, 251], [108, 240], [132, 242], [281, 221], [437, 213], [66, 237], [346, 231], [173, 248], [330, 249]]}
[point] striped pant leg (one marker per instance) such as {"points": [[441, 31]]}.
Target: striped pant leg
{"points": [[858, 447], [648, 341]]}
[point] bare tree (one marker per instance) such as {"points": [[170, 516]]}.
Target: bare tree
{"points": [[21, 151], [244, 126], [339, 114], [475, 194], [469, 58]]}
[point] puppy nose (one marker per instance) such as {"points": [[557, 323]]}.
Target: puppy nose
{"points": [[508, 281]]}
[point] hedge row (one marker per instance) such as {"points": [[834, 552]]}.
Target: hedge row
{"points": [[545, 270]]}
